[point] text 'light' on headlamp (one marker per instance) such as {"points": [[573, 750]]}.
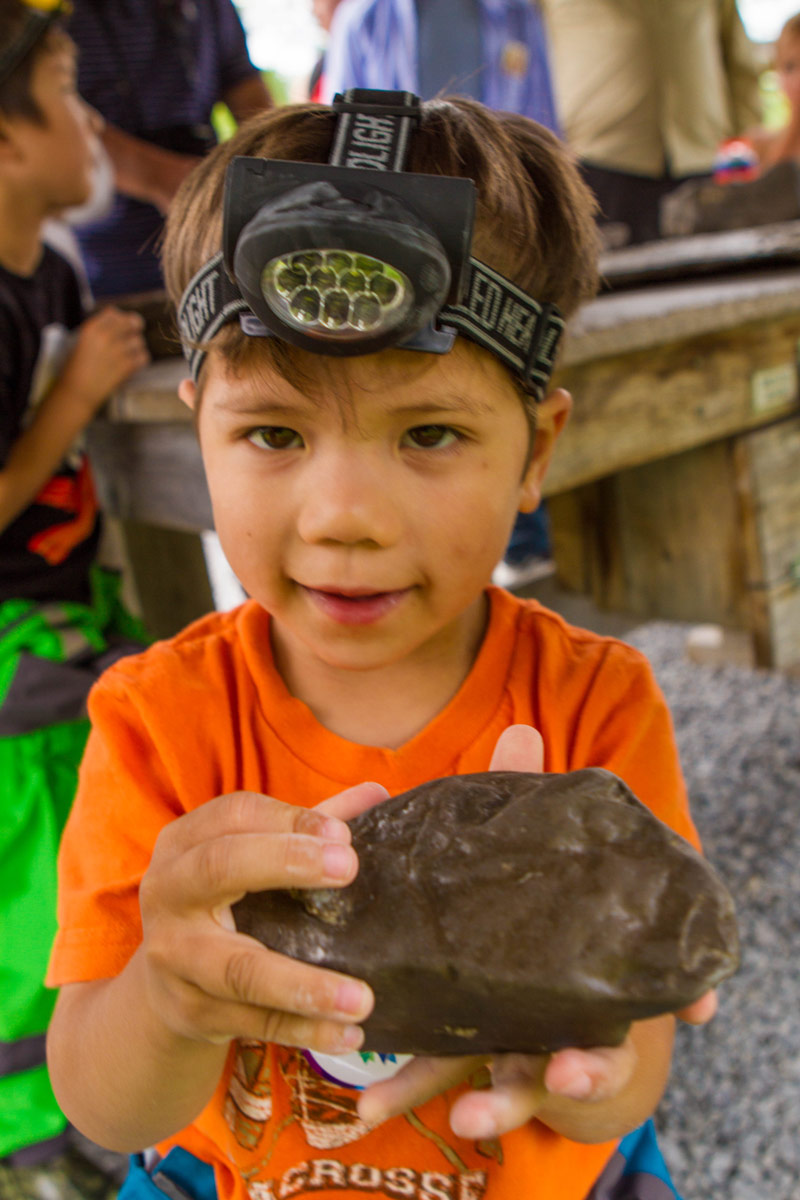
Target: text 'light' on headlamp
{"points": [[356, 255]]}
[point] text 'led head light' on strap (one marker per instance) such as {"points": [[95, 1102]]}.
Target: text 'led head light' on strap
{"points": [[353, 256], [39, 16]]}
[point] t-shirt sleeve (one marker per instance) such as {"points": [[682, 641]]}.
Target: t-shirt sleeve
{"points": [[234, 58], [124, 800], [624, 725]]}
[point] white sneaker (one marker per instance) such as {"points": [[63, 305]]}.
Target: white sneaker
{"points": [[516, 575]]}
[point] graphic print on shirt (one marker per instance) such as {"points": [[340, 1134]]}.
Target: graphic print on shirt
{"points": [[327, 1115], [71, 493]]}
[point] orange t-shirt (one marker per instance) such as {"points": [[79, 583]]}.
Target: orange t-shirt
{"points": [[206, 714]]}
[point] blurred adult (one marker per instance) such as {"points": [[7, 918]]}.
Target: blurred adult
{"points": [[154, 69], [323, 11], [646, 92], [492, 50]]}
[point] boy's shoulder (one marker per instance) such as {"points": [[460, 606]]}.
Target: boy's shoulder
{"points": [[51, 294], [552, 657], [219, 641], [551, 634]]}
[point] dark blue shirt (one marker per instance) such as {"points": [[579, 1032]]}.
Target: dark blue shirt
{"points": [[155, 69]]}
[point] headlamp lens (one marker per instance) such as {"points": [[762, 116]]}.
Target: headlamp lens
{"points": [[332, 292]]}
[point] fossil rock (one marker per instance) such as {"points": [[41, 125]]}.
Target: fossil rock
{"points": [[512, 912]]}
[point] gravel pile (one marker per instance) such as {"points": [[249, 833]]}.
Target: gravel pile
{"points": [[730, 1122]]}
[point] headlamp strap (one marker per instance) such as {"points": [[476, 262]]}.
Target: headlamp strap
{"points": [[373, 129], [209, 301], [512, 325]]}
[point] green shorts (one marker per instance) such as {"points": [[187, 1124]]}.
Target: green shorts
{"points": [[50, 655]]}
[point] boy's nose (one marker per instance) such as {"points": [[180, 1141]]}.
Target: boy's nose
{"points": [[349, 502]]}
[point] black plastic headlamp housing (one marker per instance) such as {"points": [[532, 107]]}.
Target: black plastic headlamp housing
{"points": [[417, 227], [352, 256]]}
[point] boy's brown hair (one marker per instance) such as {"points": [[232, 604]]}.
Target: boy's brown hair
{"points": [[534, 217], [16, 99]]}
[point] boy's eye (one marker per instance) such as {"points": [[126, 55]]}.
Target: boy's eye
{"points": [[275, 437], [431, 437]]}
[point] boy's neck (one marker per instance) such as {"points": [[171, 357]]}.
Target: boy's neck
{"points": [[20, 234], [390, 705]]}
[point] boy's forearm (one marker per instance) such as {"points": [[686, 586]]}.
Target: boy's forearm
{"points": [[39, 451], [122, 1077], [603, 1120]]}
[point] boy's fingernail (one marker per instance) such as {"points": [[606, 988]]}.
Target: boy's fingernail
{"points": [[338, 860], [351, 1037], [352, 998], [580, 1088], [335, 831]]}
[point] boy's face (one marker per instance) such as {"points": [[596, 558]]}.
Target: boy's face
{"points": [[366, 511], [58, 154]]}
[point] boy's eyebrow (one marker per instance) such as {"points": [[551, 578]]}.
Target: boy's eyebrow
{"points": [[253, 406]]}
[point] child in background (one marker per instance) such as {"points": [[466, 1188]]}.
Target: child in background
{"points": [[60, 620], [363, 502], [774, 146]]}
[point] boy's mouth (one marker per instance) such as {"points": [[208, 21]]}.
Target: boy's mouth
{"points": [[354, 606]]}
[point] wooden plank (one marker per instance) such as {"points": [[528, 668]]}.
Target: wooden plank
{"points": [[151, 394], [633, 408], [151, 473], [169, 575], [669, 312], [671, 533], [768, 482], [684, 257]]}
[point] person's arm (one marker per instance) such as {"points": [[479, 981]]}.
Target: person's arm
{"points": [[165, 1022], [109, 348], [347, 62], [742, 68], [248, 97], [144, 171]]}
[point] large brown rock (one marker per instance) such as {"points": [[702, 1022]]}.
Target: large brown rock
{"points": [[512, 912]]}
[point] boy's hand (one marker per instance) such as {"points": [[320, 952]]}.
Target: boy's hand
{"points": [[524, 1086], [205, 981], [110, 346]]}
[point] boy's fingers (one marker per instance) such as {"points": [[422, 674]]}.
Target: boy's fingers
{"points": [[519, 748], [596, 1074], [248, 812], [220, 871], [414, 1084], [490, 1114], [701, 1011], [354, 800], [230, 968]]}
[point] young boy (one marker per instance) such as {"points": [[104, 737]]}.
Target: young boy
{"points": [[363, 502], [59, 617]]}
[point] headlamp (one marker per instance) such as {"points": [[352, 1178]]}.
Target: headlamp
{"points": [[350, 257], [39, 16]]}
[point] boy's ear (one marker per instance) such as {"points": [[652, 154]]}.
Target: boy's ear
{"points": [[187, 390], [551, 417], [9, 138]]}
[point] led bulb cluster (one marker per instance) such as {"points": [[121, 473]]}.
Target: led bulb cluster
{"points": [[336, 292]]}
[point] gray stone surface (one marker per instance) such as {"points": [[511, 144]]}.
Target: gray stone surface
{"points": [[730, 1121]]}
